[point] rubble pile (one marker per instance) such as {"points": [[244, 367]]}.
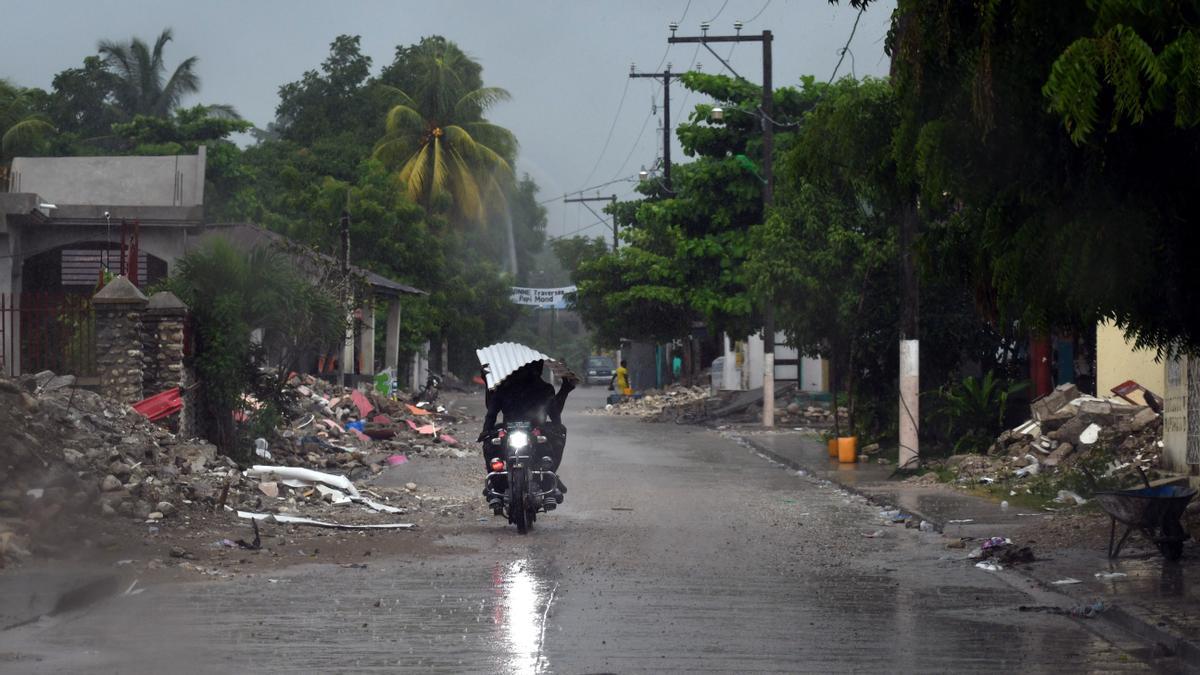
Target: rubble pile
{"points": [[653, 403], [1068, 430], [339, 428], [697, 404], [69, 457]]}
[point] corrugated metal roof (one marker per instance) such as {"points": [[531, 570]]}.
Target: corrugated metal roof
{"points": [[504, 358]]}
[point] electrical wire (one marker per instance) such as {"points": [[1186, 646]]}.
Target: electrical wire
{"points": [[846, 48], [667, 52], [625, 179], [755, 17], [636, 142], [577, 231], [719, 12], [612, 127]]}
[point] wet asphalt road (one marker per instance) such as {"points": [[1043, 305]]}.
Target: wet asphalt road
{"points": [[677, 551]]}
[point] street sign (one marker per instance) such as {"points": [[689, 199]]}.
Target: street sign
{"points": [[542, 297]]}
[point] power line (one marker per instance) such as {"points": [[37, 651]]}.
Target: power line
{"points": [[719, 11], [846, 48], [755, 17], [668, 50], [612, 127], [575, 232], [636, 142], [626, 179]]}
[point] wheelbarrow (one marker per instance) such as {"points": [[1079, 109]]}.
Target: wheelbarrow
{"points": [[1153, 511]]}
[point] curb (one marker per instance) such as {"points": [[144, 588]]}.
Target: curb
{"points": [[1179, 645]]}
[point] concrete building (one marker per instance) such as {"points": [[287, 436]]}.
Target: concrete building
{"points": [[743, 366], [62, 220]]}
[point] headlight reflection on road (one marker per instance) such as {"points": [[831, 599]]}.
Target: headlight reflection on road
{"points": [[522, 615]]}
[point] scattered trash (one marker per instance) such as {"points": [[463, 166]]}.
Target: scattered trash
{"points": [[254, 545], [395, 460], [293, 520], [1090, 435], [961, 521], [1110, 575], [1066, 582], [927, 526], [873, 535], [1067, 497], [260, 448], [1004, 505], [989, 566], [1089, 611]]}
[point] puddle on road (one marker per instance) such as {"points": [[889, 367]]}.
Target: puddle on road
{"points": [[523, 600]]}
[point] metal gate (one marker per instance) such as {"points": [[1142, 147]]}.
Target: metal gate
{"points": [[47, 331]]}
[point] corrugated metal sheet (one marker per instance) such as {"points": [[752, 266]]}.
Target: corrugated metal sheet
{"points": [[504, 358]]}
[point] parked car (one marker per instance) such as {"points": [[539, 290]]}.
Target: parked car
{"points": [[598, 369]]}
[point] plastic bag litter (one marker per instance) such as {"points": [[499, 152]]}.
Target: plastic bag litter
{"points": [[1067, 497], [1090, 435]]}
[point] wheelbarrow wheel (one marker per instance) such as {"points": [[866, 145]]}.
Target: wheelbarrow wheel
{"points": [[1171, 550], [1171, 545]]}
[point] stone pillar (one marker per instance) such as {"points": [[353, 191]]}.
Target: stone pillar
{"points": [[391, 355], [119, 306], [162, 343], [366, 341]]}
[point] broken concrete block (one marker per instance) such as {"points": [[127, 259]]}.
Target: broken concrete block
{"points": [[1144, 418], [1058, 418], [1069, 432], [1060, 453], [1054, 401]]}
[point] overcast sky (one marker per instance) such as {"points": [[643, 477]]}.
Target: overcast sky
{"points": [[566, 62]]}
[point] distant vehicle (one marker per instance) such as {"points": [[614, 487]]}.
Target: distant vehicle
{"points": [[598, 370]]}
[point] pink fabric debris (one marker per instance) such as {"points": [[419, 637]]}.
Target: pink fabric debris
{"points": [[364, 406], [396, 459], [448, 439]]}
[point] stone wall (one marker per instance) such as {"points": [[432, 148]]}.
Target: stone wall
{"points": [[119, 306], [162, 343]]}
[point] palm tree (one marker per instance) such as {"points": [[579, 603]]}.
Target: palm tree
{"points": [[20, 127], [441, 144], [141, 88]]}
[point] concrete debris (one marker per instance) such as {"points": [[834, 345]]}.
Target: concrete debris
{"points": [[1067, 430], [697, 405], [69, 450]]}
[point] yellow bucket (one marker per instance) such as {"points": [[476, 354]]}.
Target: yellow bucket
{"points": [[847, 449], [628, 391], [833, 448]]}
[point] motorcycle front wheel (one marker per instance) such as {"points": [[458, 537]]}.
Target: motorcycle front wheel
{"points": [[518, 502]]}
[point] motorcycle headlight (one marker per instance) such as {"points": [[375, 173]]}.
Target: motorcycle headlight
{"points": [[518, 439]]}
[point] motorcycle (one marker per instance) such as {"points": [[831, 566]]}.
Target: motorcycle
{"points": [[522, 482]]}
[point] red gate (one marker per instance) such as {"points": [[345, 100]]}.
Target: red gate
{"points": [[47, 331]]}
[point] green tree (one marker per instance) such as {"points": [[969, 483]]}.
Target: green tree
{"points": [[141, 86], [1052, 145], [81, 105], [23, 128], [332, 102], [230, 293], [685, 248], [447, 155]]}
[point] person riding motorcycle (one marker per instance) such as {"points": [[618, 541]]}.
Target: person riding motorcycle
{"points": [[526, 397]]}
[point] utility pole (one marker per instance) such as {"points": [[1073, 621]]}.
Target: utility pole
{"points": [[665, 76], [585, 200], [345, 236], [765, 115]]}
